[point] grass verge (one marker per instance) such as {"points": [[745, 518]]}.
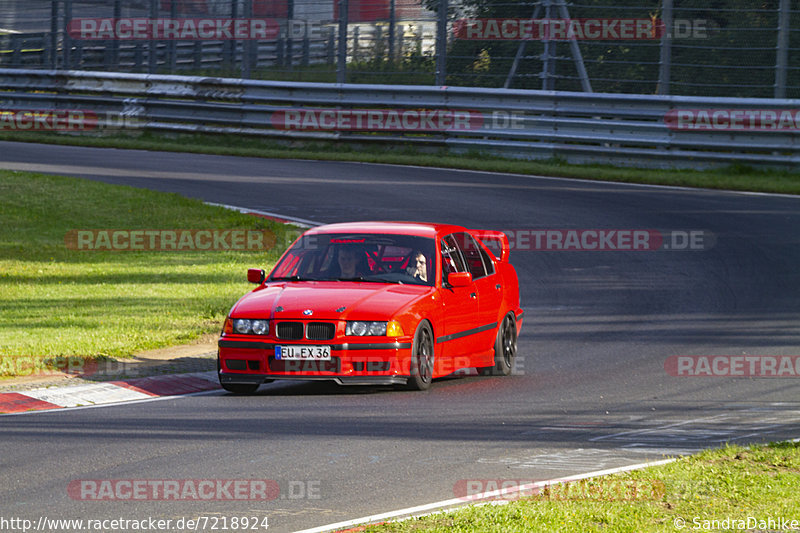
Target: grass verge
{"points": [[737, 177], [59, 301], [747, 486]]}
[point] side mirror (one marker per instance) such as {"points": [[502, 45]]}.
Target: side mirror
{"points": [[256, 275], [459, 279]]}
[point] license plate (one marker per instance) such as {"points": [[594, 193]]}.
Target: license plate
{"points": [[303, 353]]}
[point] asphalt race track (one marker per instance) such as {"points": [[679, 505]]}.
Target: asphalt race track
{"points": [[591, 390]]}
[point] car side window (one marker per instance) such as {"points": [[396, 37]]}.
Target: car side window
{"points": [[487, 261], [471, 251], [452, 261]]}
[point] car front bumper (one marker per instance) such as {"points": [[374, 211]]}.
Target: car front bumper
{"points": [[365, 363]]}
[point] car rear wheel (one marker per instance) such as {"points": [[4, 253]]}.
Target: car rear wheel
{"points": [[505, 349], [421, 359]]}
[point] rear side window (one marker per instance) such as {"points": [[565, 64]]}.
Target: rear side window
{"points": [[476, 258]]}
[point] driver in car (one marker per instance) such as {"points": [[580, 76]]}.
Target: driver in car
{"points": [[418, 266]]}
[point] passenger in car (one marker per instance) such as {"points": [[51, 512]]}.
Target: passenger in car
{"points": [[351, 262]]}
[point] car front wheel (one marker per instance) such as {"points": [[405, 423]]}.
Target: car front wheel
{"points": [[421, 359], [240, 388]]}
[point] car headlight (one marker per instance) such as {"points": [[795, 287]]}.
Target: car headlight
{"points": [[246, 326], [260, 327], [360, 328]]}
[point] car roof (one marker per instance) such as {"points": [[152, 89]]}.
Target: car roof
{"points": [[420, 229]]}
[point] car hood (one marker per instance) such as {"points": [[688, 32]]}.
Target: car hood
{"points": [[328, 300]]}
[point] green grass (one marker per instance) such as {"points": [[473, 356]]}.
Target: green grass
{"points": [[64, 302], [733, 482], [736, 177]]}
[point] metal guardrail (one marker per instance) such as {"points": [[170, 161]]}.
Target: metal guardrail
{"points": [[576, 127], [35, 50]]}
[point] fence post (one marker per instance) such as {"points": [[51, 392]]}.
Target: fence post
{"points": [[230, 44], [152, 44], [67, 40], [289, 28], [441, 44], [549, 53], [782, 53], [173, 45], [665, 62], [356, 43], [247, 46], [392, 23], [341, 64], [115, 42], [54, 34]]}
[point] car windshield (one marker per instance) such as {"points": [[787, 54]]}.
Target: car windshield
{"points": [[368, 257]]}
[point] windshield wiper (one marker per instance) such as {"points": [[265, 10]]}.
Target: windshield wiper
{"points": [[291, 278], [382, 280]]}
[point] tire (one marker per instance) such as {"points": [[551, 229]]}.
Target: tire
{"points": [[505, 349], [240, 388], [422, 357]]}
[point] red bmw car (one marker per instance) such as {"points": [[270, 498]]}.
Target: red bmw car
{"points": [[376, 303]]}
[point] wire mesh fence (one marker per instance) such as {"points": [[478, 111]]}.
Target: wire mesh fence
{"points": [[684, 47]]}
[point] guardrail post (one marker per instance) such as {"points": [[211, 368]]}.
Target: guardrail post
{"points": [[377, 41], [356, 43], [280, 51], [16, 50], [782, 53], [306, 47], [665, 62], [197, 50], [441, 44], [341, 63], [331, 46], [400, 41]]}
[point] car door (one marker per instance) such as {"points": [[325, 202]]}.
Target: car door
{"points": [[461, 308], [487, 285]]}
